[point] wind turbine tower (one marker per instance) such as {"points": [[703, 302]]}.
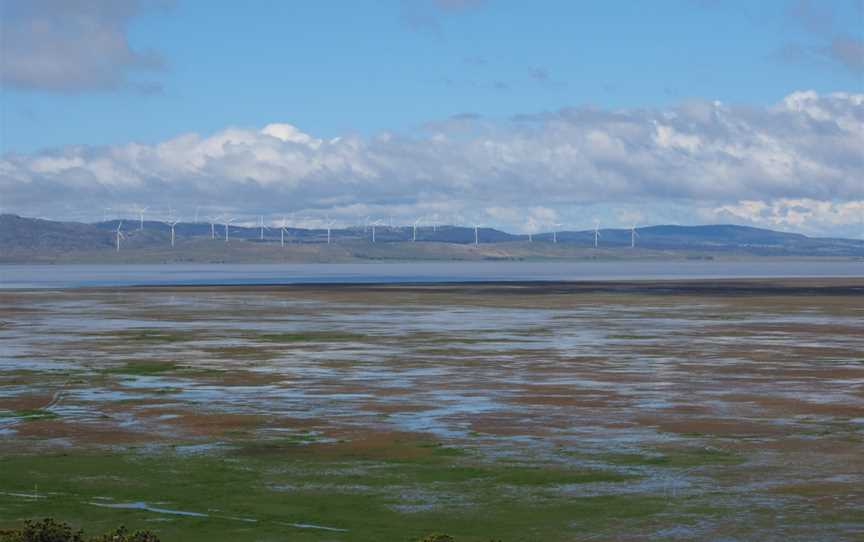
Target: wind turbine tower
{"points": [[633, 236], [172, 223], [262, 227], [213, 220], [329, 225], [476, 234], [282, 229], [555, 232], [227, 222], [141, 211], [374, 224], [118, 234], [414, 235], [596, 234]]}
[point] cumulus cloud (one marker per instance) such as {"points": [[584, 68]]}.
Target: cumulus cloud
{"points": [[535, 167], [74, 45], [801, 214]]}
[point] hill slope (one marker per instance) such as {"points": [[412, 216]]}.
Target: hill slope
{"points": [[36, 240]]}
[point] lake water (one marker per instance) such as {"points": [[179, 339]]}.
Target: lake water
{"points": [[70, 276]]}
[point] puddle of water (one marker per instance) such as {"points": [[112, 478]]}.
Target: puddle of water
{"points": [[146, 507]]}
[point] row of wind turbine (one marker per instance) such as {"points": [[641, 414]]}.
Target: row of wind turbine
{"points": [[226, 222]]}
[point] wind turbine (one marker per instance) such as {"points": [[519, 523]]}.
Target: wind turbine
{"points": [[329, 225], [414, 236], [633, 236], [262, 226], [119, 234], [476, 234], [227, 222], [171, 223], [373, 224], [555, 227], [282, 229], [435, 223], [141, 211], [213, 220], [596, 233]]}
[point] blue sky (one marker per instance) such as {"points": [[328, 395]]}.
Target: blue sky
{"points": [[337, 69], [332, 67]]}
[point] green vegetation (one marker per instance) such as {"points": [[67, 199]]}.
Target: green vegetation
{"points": [[147, 335], [307, 336], [144, 368], [679, 458], [30, 414], [398, 490]]}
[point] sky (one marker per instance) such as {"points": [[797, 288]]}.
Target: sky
{"points": [[526, 116]]}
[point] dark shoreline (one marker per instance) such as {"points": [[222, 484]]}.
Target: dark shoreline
{"points": [[762, 286]]}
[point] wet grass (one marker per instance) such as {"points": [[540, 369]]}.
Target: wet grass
{"points": [[680, 458], [144, 368], [149, 336], [307, 336], [29, 414], [278, 491], [347, 445]]}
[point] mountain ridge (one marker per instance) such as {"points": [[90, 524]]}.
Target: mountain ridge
{"points": [[25, 240]]}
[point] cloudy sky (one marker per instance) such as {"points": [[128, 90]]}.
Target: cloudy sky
{"points": [[512, 114]]}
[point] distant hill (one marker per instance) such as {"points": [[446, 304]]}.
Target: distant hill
{"points": [[38, 240]]}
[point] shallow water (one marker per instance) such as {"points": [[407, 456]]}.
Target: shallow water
{"points": [[65, 276], [539, 379]]}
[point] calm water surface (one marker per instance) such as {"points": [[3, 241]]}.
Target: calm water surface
{"points": [[70, 276]]}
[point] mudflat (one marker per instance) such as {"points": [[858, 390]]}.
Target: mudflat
{"points": [[662, 410]]}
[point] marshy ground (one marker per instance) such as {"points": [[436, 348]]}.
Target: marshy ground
{"points": [[691, 411]]}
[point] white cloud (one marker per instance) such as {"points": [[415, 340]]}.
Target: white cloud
{"points": [[518, 173], [802, 214], [74, 45]]}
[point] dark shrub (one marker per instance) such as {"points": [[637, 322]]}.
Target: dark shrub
{"points": [[123, 535], [49, 530], [46, 530]]}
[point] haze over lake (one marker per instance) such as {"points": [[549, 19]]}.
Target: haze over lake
{"points": [[65, 276]]}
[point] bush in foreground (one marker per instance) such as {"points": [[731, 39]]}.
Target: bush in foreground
{"points": [[438, 537], [49, 530]]}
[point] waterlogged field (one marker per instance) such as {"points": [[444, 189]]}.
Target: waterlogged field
{"points": [[730, 411]]}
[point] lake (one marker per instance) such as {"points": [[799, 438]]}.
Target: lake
{"points": [[71, 276]]}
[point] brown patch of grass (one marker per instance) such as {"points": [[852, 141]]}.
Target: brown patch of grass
{"points": [[81, 433]]}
